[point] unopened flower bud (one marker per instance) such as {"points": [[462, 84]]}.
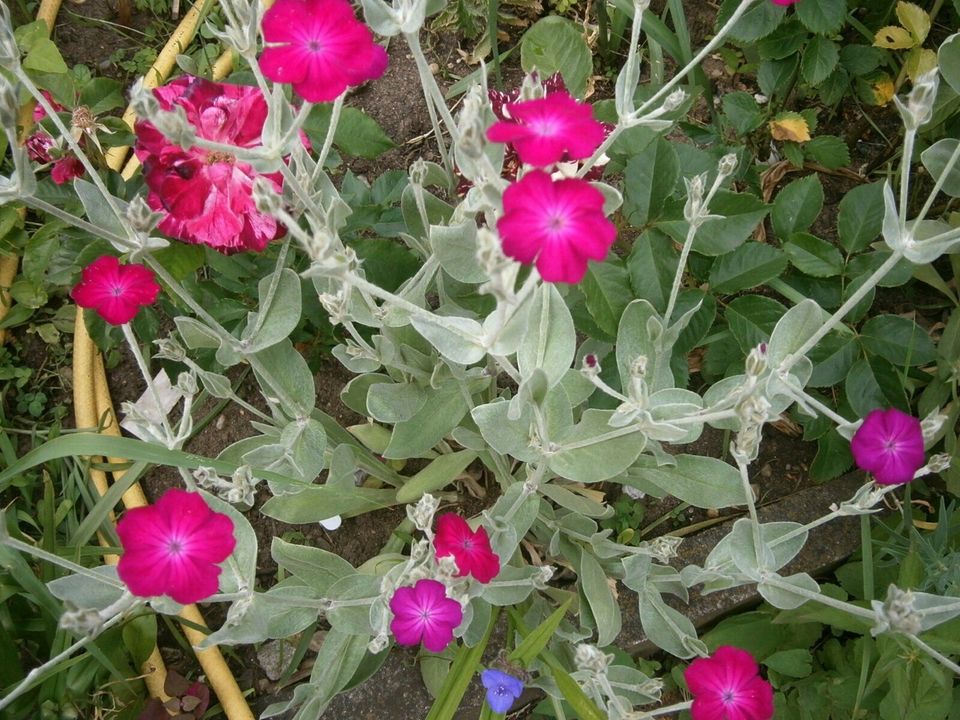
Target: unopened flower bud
{"points": [[590, 659], [418, 172], [939, 462], [590, 366], [674, 100], [727, 164], [169, 349], [897, 613], [447, 568], [187, 383], [931, 425], [542, 578], [756, 362], [421, 514], [82, 621], [265, 197], [694, 204], [140, 216], [638, 368], [378, 644]]}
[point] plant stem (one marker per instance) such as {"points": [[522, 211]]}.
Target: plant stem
{"points": [[151, 386], [936, 655]]}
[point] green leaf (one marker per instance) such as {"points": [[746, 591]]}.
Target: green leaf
{"points": [[101, 95], [442, 412], [555, 44], [873, 383], [538, 638], [390, 402], [948, 58], [813, 256], [742, 112], [741, 212], [759, 21], [699, 480], [456, 338], [275, 321], [752, 318], [783, 42], [599, 596], [773, 76], [797, 206], [797, 326], [833, 457], [357, 133], [828, 150], [441, 471], [824, 17], [45, 57], [649, 179], [748, 266], [832, 359], [936, 158], [606, 288], [593, 451], [898, 340], [652, 265], [819, 59], [319, 568], [860, 219], [668, 628], [550, 340], [861, 60]]}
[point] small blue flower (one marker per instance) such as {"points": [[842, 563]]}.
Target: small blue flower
{"points": [[502, 689]]}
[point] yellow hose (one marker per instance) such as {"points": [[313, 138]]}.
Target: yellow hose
{"points": [[92, 402]]}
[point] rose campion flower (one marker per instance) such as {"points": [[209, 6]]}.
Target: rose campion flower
{"points": [[424, 613], [502, 689], [889, 446], [471, 550], [206, 197], [320, 47], [173, 547], [116, 292], [559, 224], [727, 686], [549, 129]]}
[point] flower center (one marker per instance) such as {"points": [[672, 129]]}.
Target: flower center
{"points": [[217, 156], [729, 697], [890, 445], [116, 290], [556, 222], [174, 546], [314, 46]]}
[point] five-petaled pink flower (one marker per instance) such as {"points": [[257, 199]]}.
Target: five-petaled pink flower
{"points": [[889, 445], [471, 550], [115, 291], [560, 224], [206, 196], [320, 47], [424, 613], [727, 686], [549, 129], [173, 546]]}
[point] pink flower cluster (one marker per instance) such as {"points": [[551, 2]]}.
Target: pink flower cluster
{"points": [[206, 196], [174, 547], [423, 612], [559, 224]]}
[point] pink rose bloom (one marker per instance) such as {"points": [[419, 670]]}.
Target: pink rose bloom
{"points": [[38, 147], [173, 546], [39, 113], [116, 292], [550, 129], [424, 613], [889, 446], [66, 169], [206, 196], [727, 686], [471, 550], [559, 224], [320, 47]]}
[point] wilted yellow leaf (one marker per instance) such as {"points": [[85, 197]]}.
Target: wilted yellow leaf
{"points": [[883, 91], [919, 61], [792, 127], [893, 38], [915, 19]]}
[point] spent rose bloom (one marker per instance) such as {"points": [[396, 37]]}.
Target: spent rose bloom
{"points": [[320, 47], [559, 224], [727, 686], [502, 689], [116, 292], [424, 613], [471, 550], [206, 197], [889, 446], [173, 547], [549, 129], [39, 113], [66, 169]]}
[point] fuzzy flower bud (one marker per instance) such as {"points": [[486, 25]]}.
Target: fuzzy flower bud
{"points": [[931, 425], [727, 165], [169, 349], [421, 514], [590, 366], [266, 199], [674, 100], [378, 644], [590, 659], [82, 621], [896, 614], [542, 578], [694, 204], [141, 217], [756, 361]]}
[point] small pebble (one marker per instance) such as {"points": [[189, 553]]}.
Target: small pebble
{"points": [[434, 68]]}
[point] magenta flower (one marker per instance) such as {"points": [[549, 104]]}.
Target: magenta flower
{"points": [[560, 224], [550, 129], [424, 613], [173, 546], [471, 550], [727, 686], [784, 3], [38, 147], [320, 47], [889, 446], [206, 197], [115, 291], [66, 169], [39, 113]]}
